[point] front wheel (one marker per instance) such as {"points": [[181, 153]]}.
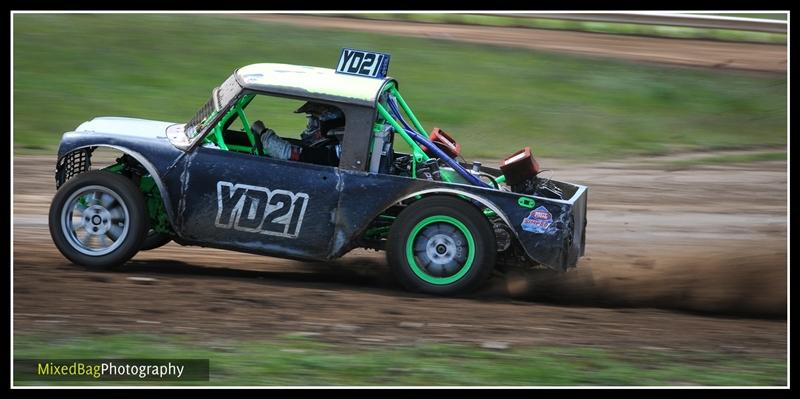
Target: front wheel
{"points": [[98, 219], [441, 245]]}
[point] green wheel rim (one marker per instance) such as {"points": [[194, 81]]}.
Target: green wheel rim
{"points": [[413, 262]]}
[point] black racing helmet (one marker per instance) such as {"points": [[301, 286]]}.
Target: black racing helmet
{"points": [[329, 117], [322, 118]]}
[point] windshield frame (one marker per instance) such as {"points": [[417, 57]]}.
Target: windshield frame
{"points": [[207, 116]]}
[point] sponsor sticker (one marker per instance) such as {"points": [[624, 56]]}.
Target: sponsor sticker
{"points": [[538, 220], [363, 63]]}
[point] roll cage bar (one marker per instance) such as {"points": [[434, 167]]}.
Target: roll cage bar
{"points": [[391, 96], [388, 112]]}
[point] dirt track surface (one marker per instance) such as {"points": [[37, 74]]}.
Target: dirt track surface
{"points": [[691, 259], [703, 53]]}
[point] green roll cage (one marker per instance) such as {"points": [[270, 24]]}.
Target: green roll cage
{"points": [[237, 110], [417, 154]]}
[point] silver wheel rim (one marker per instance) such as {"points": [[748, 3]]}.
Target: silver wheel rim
{"points": [[95, 220], [442, 249]]}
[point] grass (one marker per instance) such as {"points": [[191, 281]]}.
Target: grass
{"points": [[619, 28], [728, 159], [775, 16], [70, 68], [296, 360]]}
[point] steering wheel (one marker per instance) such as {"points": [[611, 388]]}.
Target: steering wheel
{"points": [[323, 143]]}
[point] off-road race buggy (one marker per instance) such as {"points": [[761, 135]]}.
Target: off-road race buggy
{"points": [[214, 182]]}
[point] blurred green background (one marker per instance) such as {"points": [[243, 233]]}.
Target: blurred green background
{"points": [[617, 28], [71, 68]]}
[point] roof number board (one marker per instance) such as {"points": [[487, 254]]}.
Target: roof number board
{"points": [[363, 63]]}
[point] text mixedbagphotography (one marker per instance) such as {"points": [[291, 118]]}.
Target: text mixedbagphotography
{"points": [[116, 369]]}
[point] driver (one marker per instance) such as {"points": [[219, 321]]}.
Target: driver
{"points": [[320, 143]]}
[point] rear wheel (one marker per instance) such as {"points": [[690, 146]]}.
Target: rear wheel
{"points": [[98, 219], [441, 245]]}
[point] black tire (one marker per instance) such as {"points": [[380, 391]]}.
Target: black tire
{"points": [[100, 214], [153, 240], [436, 218]]}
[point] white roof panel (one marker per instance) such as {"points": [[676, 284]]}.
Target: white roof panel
{"points": [[310, 81]]}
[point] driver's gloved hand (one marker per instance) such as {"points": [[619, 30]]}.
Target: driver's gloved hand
{"points": [[276, 147], [258, 128]]}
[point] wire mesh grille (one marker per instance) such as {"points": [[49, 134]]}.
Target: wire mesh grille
{"points": [[72, 164]]}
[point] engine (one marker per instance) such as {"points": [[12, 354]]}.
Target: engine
{"points": [[521, 171]]}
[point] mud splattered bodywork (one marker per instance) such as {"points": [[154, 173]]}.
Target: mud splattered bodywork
{"points": [[244, 201]]}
